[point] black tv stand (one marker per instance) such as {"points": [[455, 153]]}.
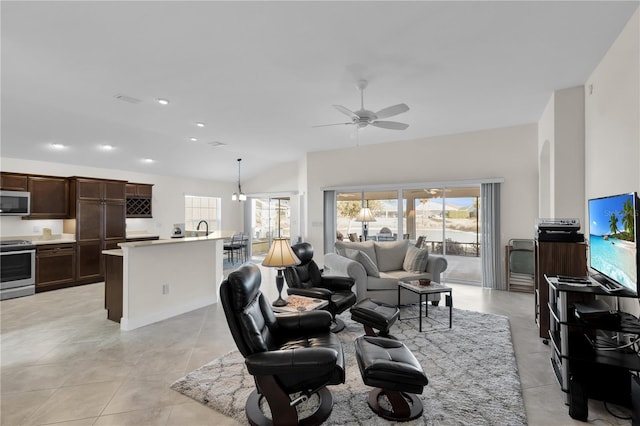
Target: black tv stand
{"points": [[589, 359]]}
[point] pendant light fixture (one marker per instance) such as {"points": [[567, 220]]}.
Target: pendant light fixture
{"points": [[239, 196]]}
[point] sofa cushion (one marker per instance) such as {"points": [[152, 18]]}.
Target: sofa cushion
{"points": [[364, 259], [365, 247], [415, 259], [385, 282], [390, 254]]}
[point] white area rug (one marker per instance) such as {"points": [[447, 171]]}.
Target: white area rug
{"points": [[472, 371]]}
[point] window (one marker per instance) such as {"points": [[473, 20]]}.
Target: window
{"points": [[383, 206], [348, 205], [201, 208], [446, 216], [271, 218]]}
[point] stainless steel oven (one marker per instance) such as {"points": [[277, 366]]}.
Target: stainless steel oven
{"points": [[17, 269]]}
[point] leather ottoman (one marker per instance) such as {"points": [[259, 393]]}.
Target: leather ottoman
{"points": [[390, 367], [373, 314]]}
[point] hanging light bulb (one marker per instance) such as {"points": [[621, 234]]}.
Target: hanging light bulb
{"points": [[239, 196]]}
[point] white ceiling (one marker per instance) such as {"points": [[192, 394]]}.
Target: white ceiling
{"points": [[261, 74]]}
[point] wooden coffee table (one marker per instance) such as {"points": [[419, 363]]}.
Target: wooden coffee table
{"points": [[297, 303], [421, 290]]}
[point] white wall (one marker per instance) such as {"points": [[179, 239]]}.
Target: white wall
{"points": [[612, 123], [612, 109], [561, 155], [546, 138], [168, 197], [569, 153], [509, 153]]}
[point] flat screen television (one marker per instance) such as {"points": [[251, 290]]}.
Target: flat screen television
{"points": [[613, 240]]}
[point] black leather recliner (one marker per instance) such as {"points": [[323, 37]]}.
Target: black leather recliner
{"points": [[286, 354], [306, 279]]}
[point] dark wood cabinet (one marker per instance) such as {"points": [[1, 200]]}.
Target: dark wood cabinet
{"points": [[89, 266], [13, 182], [55, 266], [113, 287], [553, 258], [139, 200], [141, 190], [100, 223], [100, 189], [49, 194], [49, 197]]}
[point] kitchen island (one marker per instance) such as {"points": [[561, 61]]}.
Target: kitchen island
{"points": [[162, 278]]}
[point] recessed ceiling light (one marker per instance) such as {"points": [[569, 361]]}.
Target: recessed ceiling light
{"points": [[200, 124], [107, 147], [163, 101], [147, 160], [193, 139], [57, 146]]}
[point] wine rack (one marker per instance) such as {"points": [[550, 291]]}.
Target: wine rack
{"points": [[139, 207]]}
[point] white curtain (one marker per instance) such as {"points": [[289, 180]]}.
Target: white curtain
{"points": [[490, 225], [330, 226]]}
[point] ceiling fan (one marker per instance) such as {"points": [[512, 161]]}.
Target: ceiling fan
{"points": [[364, 117]]}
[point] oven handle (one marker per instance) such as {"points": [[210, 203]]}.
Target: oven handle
{"points": [[18, 252]]}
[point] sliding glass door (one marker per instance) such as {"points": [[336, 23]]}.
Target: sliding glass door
{"points": [[383, 222], [348, 206], [446, 218]]}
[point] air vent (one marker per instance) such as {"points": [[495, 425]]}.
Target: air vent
{"points": [[126, 98], [216, 143]]}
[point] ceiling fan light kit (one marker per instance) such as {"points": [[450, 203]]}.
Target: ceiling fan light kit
{"points": [[364, 117]]}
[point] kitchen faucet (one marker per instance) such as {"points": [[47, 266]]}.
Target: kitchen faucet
{"points": [[206, 226]]}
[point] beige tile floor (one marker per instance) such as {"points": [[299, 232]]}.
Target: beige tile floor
{"points": [[64, 363]]}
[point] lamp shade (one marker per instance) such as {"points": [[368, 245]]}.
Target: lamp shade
{"points": [[280, 254], [365, 215]]}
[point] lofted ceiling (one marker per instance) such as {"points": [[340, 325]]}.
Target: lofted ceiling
{"points": [[260, 75]]}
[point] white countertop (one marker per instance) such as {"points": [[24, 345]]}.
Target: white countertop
{"points": [[39, 239], [141, 234], [113, 252], [54, 240], [211, 237]]}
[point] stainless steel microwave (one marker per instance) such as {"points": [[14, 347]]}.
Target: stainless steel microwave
{"points": [[15, 203]]}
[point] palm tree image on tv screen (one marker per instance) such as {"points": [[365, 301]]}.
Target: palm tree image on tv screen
{"points": [[612, 238]]}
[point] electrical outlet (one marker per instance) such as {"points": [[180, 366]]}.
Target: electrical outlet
{"points": [[165, 289]]}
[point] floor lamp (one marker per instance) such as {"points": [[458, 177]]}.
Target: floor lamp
{"points": [[365, 216], [280, 256]]}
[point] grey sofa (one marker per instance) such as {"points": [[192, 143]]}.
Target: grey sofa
{"points": [[389, 259]]}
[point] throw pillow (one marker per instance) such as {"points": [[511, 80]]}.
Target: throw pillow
{"points": [[390, 254], [365, 260], [415, 260], [365, 247]]}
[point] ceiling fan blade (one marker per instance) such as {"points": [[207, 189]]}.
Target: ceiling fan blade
{"points": [[392, 110], [346, 111], [334, 124], [393, 125]]}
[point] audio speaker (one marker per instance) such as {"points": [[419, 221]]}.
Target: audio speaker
{"points": [[635, 401], [578, 401]]}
